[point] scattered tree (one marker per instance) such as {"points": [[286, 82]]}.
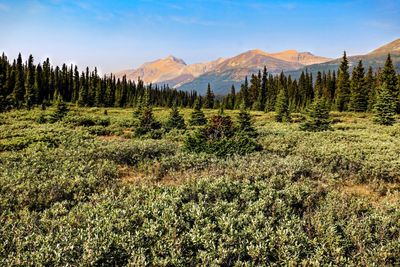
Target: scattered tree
{"points": [[175, 119], [318, 117], [245, 123], [343, 85], [209, 98], [359, 95], [197, 117], [282, 107], [385, 107]]}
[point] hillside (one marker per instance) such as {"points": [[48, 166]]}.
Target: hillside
{"points": [[375, 58], [221, 73]]}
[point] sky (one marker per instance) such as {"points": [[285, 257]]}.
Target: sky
{"points": [[117, 35]]}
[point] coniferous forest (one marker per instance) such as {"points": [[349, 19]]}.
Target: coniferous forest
{"points": [[24, 84]]}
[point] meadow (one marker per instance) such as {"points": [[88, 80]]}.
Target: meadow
{"points": [[84, 191]]}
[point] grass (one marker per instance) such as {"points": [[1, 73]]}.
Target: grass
{"points": [[95, 195]]}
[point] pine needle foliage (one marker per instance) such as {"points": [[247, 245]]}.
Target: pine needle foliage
{"points": [[175, 120], [385, 107], [318, 117], [245, 124], [197, 117], [282, 107], [219, 137]]}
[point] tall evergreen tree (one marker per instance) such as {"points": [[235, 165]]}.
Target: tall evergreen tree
{"points": [[209, 98], [232, 99], [38, 85], [197, 117], [262, 94], [390, 78], [83, 93], [282, 107], [370, 85], [244, 91], [29, 96], [385, 107], [318, 85], [254, 90], [343, 85], [18, 93], [358, 95]]}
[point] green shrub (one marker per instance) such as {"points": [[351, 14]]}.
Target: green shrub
{"points": [[61, 110], [245, 123], [318, 117], [87, 121], [218, 138], [175, 120], [197, 117], [147, 123], [385, 107]]}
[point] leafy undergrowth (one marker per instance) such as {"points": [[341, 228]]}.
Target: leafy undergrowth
{"points": [[84, 191]]}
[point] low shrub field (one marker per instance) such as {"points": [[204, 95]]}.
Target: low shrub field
{"points": [[86, 190]]}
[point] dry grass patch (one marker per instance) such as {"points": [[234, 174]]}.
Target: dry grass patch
{"points": [[112, 137], [379, 195]]}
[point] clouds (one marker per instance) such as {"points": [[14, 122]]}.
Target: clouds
{"points": [[118, 34]]}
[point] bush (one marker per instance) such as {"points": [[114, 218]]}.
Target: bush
{"points": [[385, 107], [147, 124], [61, 110], [318, 117], [87, 121], [197, 117], [218, 138], [245, 123], [175, 120]]}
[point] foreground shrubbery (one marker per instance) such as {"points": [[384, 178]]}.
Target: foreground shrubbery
{"points": [[70, 197], [222, 222]]}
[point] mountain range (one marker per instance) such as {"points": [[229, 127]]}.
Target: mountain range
{"points": [[222, 73]]}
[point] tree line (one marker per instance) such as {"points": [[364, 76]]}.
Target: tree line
{"points": [[341, 90], [24, 85]]}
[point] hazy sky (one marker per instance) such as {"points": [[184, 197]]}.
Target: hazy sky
{"points": [[115, 35]]}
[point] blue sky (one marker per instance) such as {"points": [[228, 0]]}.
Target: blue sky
{"points": [[115, 35]]}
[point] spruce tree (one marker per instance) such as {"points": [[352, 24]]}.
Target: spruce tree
{"points": [[318, 89], [318, 117], [244, 91], [343, 85], [197, 117], [245, 123], [254, 90], [138, 107], [61, 109], [389, 77], [233, 97], [18, 92], [259, 104], [175, 119], [359, 95], [147, 122], [385, 107], [209, 98], [282, 107], [83, 93], [29, 96], [370, 88]]}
